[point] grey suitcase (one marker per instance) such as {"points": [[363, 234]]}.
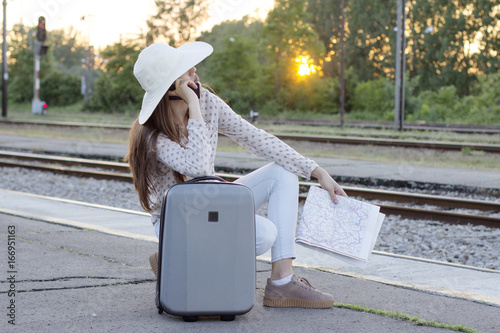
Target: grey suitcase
{"points": [[206, 257]]}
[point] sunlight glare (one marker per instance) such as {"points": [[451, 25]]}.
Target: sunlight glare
{"points": [[305, 66]]}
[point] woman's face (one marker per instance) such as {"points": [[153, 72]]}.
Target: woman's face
{"points": [[190, 75]]}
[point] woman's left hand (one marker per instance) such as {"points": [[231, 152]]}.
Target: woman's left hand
{"points": [[328, 183]]}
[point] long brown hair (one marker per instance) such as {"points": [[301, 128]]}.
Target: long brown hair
{"points": [[142, 155]]}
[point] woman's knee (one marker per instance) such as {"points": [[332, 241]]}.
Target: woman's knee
{"points": [[283, 174], [265, 234]]}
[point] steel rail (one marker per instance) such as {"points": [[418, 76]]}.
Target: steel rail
{"points": [[439, 214], [348, 140], [380, 125], [101, 175], [72, 161], [422, 199], [444, 202]]}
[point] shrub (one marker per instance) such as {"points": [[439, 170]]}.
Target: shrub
{"points": [[444, 105], [374, 97], [113, 96], [437, 106], [483, 107], [59, 89]]}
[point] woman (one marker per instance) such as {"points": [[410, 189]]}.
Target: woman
{"points": [[175, 138]]}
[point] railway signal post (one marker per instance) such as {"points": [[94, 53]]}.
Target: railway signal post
{"points": [[5, 74], [399, 96], [38, 106]]}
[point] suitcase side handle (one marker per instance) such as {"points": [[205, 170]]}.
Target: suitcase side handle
{"points": [[203, 178]]}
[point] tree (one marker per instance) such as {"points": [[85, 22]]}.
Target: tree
{"points": [[73, 57], [176, 21], [325, 19], [370, 39], [463, 43], [239, 69], [289, 35], [20, 67], [238, 76], [246, 27], [68, 50], [117, 88], [56, 87]]}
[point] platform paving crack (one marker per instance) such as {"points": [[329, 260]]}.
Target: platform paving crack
{"points": [[111, 260], [133, 282]]}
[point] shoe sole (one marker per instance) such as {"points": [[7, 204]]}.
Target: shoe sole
{"points": [[153, 261], [282, 302]]}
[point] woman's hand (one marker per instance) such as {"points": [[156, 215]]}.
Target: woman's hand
{"points": [[183, 90], [328, 183]]}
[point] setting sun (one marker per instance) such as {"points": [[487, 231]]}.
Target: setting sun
{"points": [[305, 66]]}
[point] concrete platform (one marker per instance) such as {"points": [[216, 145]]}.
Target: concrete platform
{"points": [[82, 267]]}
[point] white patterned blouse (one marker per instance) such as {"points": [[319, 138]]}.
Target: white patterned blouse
{"points": [[197, 156]]}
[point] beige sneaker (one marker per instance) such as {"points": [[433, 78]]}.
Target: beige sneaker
{"points": [[153, 261], [297, 293]]}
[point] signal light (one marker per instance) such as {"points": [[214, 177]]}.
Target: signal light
{"points": [[43, 104], [41, 33]]}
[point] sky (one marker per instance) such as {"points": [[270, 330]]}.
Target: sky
{"points": [[106, 20]]}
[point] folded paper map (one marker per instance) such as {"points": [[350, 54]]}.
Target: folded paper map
{"points": [[347, 230]]}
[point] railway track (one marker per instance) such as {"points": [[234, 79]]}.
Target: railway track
{"points": [[346, 140], [457, 128], [349, 140], [408, 205]]}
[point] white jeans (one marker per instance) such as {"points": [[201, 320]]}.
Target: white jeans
{"points": [[280, 188]]}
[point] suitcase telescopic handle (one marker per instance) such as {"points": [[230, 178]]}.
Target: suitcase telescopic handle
{"points": [[203, 178]]}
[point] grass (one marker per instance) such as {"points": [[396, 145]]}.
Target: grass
{"points": [[83, 133], [70, 113], [403, 316]]}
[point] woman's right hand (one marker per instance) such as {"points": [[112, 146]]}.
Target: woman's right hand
{"points": [[183, 90]]}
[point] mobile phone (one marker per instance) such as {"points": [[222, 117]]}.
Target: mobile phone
{"points": [[176, 98]]}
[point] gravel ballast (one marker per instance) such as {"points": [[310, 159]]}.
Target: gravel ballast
{"points": [[472, 245]]}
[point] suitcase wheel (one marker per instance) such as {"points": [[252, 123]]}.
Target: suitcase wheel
{"points": [[190, 319], [227, 317], [160, 311]]}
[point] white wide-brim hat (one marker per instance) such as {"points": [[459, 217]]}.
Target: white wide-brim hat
{"points": [[159, 65]]}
